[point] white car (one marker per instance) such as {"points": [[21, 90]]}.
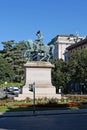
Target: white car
{"points": [[13, 90], [16, 90]]}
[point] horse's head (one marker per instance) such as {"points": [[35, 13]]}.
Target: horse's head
{"points": [[29, 44]]}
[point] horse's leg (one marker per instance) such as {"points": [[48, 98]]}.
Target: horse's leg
{"points": [[48, 57], [45, 55], [27, 54]]}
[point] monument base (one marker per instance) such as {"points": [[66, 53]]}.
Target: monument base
{"points": [[38, 72], [39, 93]]}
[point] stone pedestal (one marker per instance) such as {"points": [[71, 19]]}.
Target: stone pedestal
{"points": [[40, 73]]}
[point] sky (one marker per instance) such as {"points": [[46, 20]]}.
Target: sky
{"points": [[21, 19]]}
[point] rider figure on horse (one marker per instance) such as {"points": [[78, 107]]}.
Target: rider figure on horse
{"points": [[37, 51], [40, 38]]}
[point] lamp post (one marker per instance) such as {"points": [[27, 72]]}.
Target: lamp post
{"points": [[32, 88], [34, 98]]}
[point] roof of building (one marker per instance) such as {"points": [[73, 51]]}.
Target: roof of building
{"points": [[83, 41], [64, 35]]}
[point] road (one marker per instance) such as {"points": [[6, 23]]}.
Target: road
{"points": [[45, 122]]}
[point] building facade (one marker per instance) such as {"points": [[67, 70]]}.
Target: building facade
{"points": [[61, 42], [77, 46]]}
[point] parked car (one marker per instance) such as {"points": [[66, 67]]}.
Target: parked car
{"points": [[13, 90], [16, 90], [2, 94]]}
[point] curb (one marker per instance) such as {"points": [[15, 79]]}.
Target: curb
{"points": [[39, 113]]}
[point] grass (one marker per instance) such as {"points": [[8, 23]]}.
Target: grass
{"points": [[30, 108], [15, 109], [84, 106]]}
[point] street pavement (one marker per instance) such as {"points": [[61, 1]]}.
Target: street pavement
{"points": [[65, 120]]}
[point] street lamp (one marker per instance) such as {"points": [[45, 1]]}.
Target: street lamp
{"points": [[34, 98], [32, 88]]}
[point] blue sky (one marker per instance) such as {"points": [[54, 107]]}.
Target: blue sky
{"points": [[21, 19]]}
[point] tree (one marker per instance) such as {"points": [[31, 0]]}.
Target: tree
{"points": [[19, 60], [77, 66], [8, 45], [60, 75], [14, 54], [6, 71]]}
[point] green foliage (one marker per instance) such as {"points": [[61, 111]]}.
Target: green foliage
{"points": [[60, 75], [8, 45], [13, 54], [77, 68], [74, 70], [6, 71], [77, 65], [53, 101]]}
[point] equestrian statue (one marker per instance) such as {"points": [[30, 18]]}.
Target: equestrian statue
{"points": [[37, 51]]}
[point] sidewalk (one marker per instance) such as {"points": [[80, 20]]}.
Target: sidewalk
{"points": [[38, 113]]}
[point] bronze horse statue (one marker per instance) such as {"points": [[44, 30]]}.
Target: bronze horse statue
{"points": [[36, 49]]}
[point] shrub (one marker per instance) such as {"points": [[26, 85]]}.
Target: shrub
{"points": [[53, 101]]}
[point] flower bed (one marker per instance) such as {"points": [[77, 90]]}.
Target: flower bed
{"points": [[72, 104], [46, 105], [44, 102], [64, 105]]}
